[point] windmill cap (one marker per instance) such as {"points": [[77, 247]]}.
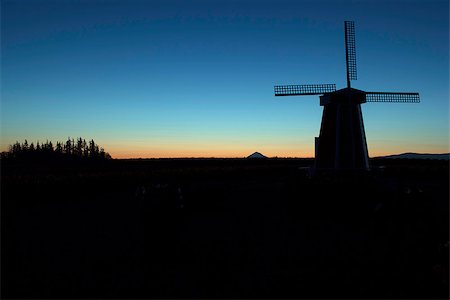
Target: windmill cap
{"points": [[343, 96]]}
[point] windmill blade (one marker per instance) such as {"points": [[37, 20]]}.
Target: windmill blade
{"points": [[304, 89], [392, 97], [350, 51]]}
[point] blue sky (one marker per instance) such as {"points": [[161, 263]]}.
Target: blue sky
{"points": [[195, 78]]}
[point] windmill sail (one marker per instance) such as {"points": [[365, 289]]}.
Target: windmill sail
{"points": [[350, 51], [392, 97], [303, 89]]}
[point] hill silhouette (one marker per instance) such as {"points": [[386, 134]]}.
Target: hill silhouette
{"points": [[410, 155], [256, 155]]}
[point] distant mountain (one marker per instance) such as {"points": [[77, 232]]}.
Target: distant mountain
{"points": [[444, 156], [256, 155]]}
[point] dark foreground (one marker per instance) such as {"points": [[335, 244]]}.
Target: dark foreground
{"points": [[223, 229]]}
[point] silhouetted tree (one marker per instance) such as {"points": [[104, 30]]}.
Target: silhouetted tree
{"points": [[59, 148], [25, 146], [85, 149], [47, 147], [92, 149], [77, 147], [16, 148], [68, 146]]}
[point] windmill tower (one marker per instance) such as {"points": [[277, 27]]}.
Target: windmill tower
{"points": [[341, 144]]}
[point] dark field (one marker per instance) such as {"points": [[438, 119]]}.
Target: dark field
{"points": [[223, 229]]}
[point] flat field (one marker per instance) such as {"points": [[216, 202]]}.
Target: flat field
{"points": [[223, 228]]}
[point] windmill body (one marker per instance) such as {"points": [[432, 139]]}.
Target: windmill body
{"points": [[342, 140], [341, 145]]}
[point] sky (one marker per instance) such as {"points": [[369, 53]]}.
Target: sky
{"points": [[195, 78]]}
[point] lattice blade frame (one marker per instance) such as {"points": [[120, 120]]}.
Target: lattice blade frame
{"points": [[303, 89], [392, 97], [350, 50]]}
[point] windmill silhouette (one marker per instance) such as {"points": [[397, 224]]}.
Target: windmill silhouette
{"points": [[341, 144]]}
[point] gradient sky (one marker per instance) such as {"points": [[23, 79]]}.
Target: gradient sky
{"points": [[195, 78]]}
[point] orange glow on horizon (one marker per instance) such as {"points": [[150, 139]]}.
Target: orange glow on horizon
{"points": [[203, 154], [243, 154], [230, 151]]}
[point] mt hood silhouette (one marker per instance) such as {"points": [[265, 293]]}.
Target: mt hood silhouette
{"points": [[256, 155]]}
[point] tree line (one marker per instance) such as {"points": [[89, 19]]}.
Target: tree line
{"points": [[71, 148]]}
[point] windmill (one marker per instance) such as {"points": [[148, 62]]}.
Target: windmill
{"points": [[341, 144]]}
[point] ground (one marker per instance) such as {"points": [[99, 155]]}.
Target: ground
{"points": [[224, 228]]}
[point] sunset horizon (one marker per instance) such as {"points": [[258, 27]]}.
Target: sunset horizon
{"points": [[149, 152], [155, 79]]}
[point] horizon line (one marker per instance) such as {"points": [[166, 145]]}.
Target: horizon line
{"points": [[268, 157]]}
